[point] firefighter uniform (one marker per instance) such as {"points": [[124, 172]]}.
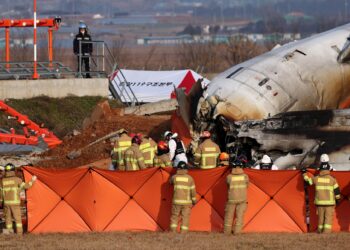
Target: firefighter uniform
{"points": [[148, 148], [162, 161], [206, 155], [237, 183], [133, 158], [11, 186], [120, 146], [184, 197], [327, 192]]}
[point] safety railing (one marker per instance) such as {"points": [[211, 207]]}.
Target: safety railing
{"points": [[120, 87], [24, 70], [102, 61]]}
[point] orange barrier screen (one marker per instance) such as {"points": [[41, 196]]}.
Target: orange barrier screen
{"points": [[85, 199]]}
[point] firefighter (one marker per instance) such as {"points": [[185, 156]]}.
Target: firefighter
{"points": [[237, 183], [184, 197], [121, 144], [207, 153], [86, 48], [11, 186], [266, 164], [224, 159], [133, 158], [167, 136], [177, 150], [162, 158], [148, 148], [327, 195], [324, 159]]}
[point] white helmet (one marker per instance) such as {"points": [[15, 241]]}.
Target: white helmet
{"points": [[167, 133], [266, 159], [175, 135], [324, 158]]}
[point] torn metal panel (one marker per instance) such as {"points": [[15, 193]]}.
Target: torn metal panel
{"points": [[294, 139]]}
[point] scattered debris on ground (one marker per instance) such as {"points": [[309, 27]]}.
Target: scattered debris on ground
{"points": [[102, 121], [153, 126]]}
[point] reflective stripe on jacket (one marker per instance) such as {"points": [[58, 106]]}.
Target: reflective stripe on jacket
{"points": [[148, 148], [326, 186], [133, 158], [206, 155], [10, 189], [237, 183], [184, 188], [121, 144], [162, 161]]}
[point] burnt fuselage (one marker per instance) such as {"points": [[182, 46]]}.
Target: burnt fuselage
{"points": [[295, 139]]}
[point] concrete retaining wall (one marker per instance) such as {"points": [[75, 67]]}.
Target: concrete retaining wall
{"points": [[56, 88]]}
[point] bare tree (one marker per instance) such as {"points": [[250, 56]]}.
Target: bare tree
{"points": [[196, 56], [120, 52], [240, 48], [149, 56]]}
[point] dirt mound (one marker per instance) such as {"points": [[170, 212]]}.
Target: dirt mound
{"points": [[153, 126]]}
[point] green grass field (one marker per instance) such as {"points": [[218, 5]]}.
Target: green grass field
{"points": [[152, 241], [60, 115]]}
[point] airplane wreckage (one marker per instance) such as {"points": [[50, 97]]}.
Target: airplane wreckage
{"points": [[290, 103]]}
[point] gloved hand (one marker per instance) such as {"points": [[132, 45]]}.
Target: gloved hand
{"points": [[194, 203], [337, 202], [34, 178]]}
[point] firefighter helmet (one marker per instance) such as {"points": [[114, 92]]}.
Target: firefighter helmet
{"points": [[224, 156], [162, 146], [205, 134], [9, 167], [324, 158], [182, 165], [237, 164], [136, 139], [167, 134], [266, 159]]}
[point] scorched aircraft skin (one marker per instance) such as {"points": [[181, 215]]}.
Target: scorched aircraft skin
{"points": [[310, 74]]}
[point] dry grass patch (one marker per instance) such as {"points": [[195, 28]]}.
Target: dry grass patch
{"points": [[152, 241]]}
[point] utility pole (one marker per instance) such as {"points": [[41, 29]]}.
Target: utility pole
{"points": [[35, 73]]}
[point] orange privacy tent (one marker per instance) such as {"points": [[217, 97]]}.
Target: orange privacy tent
{"points": [[86, 199]]}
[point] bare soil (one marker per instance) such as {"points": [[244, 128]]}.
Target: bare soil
{"points": [[154, 126], [151, 240]]}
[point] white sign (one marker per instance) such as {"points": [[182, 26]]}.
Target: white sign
{"points": [[153, 86]]}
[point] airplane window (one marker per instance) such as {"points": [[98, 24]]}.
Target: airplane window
{"points": [[234, 73], [265, 80], [300, 52]]}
